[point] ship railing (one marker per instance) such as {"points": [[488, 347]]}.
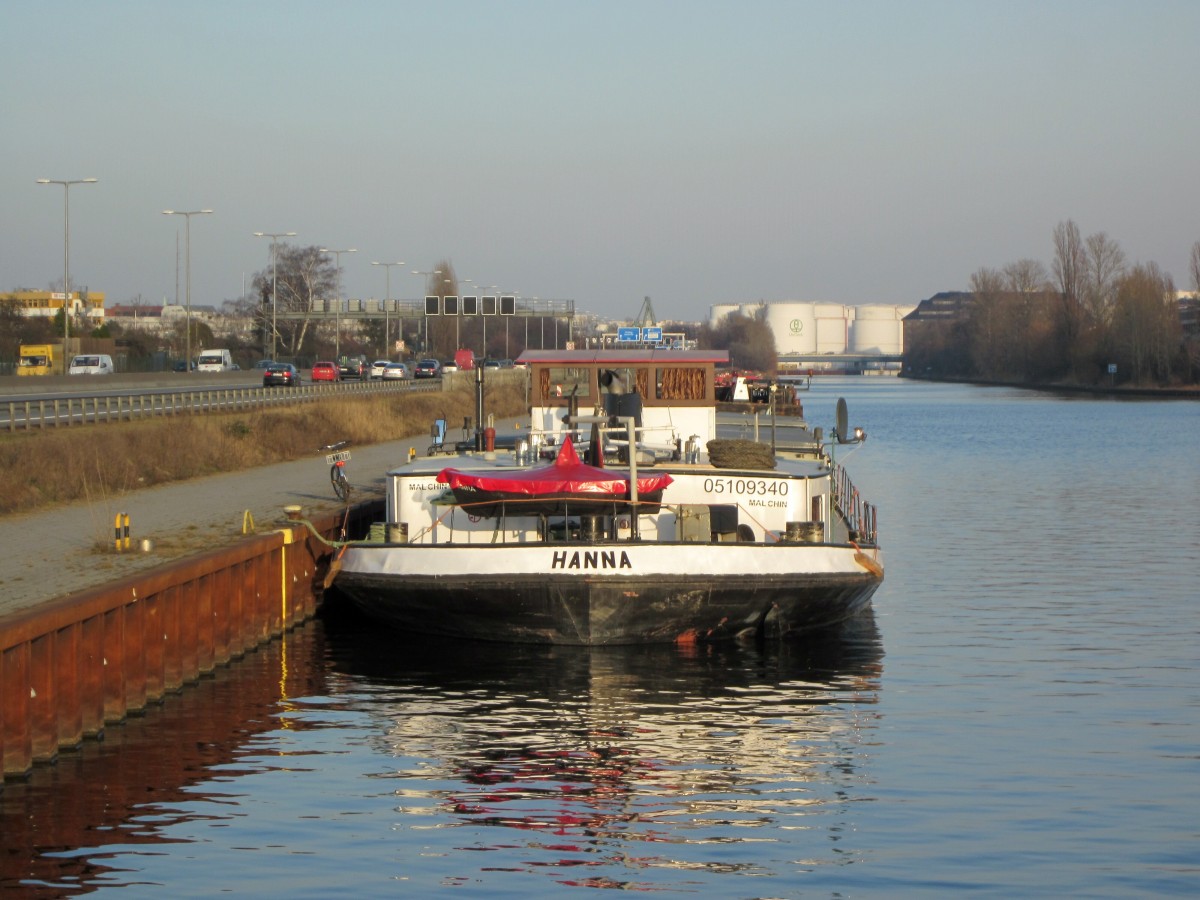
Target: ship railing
{"points": [[589, 515], [860, 515], [661, 440]]}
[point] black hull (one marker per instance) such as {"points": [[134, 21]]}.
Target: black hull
{"points": [[596, 612]]}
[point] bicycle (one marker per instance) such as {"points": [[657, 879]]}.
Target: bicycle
{"points": [[336, 457]]}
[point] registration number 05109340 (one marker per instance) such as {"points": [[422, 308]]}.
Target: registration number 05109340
{"points": [[762, 487]]}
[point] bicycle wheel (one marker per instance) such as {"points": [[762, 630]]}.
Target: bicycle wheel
{"points": [[341, 486]]}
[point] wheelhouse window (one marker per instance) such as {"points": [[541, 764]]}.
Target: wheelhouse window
{"points": [[566, 381], [619, 380], [681, 383]]}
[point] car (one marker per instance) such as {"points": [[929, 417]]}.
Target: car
{"points": [[182, 366], [378, 366], [324, 371], [395, 370], [353, 367], [264, 364], [91, 364], [281, 373], [449, 366], [427, 368]]}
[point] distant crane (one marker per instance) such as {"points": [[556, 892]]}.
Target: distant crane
{"points": [[645, 317]]}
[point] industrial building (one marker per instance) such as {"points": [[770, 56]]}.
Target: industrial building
{"points": [[829, 336]]}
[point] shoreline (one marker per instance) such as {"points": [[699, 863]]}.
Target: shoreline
{"points": [[1143, 393]]}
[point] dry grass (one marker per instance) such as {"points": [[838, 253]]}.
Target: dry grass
{"points": [[100, 461]]}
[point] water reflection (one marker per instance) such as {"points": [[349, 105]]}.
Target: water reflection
{"points": [[149, 774], [623, 767], [625, 760]]}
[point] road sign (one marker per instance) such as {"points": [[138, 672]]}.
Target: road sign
{"points": [[629, 334], [652, 335]]}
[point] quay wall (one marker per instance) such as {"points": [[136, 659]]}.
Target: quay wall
{"points": [[75, 664]]}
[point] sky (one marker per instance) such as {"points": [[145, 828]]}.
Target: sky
{"points": [[695, 152]]}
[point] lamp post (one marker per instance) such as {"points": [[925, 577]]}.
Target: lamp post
{"points": [[386, 303], [273, 235], [425, 348], [66, 253], [337, 314], [188, 268]]}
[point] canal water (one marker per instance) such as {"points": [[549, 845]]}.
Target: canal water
{"points": [[1020, 715]]}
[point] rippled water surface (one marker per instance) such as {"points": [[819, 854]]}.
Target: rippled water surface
{"points": [[1019, 716]]}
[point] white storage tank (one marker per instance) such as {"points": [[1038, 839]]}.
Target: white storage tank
{"points": [[832, 327], [794, 326], [718, 311], [877, 329]]}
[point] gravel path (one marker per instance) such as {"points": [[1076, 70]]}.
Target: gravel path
{"points": [[70, 548]]}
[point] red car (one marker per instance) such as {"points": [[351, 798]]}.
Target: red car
{"points": [[324, 371]]}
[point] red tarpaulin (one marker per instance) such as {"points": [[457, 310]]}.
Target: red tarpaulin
{"points": [[562, 481]]}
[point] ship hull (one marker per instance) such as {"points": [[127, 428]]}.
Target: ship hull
{"points": [[600, 594]]}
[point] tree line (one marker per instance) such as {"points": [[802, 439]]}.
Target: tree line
{"points": [[1090, 313]]}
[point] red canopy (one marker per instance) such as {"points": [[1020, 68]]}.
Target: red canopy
{"points": [[566, 477]]}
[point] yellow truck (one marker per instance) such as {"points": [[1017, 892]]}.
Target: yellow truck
{"points": [[40, 359]]}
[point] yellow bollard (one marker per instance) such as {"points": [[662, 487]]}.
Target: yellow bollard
{"points": [[121, 532]]}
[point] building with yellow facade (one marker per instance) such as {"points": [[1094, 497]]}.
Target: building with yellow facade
{"points": [[85, 305]]}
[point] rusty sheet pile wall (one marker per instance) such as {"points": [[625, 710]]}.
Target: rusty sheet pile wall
{"points": [[73, 665]]}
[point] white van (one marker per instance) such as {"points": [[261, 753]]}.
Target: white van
{"points": [[215, 361], [91, 364]]}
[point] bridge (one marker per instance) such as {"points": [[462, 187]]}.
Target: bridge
{"points": [[840, 363], [415, 309]]}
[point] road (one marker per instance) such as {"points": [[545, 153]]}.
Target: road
{"points": [[32, 403]]}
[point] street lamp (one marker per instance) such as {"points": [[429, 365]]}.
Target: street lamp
{"points": [[425, 348], [273, 235], [188, 257], [66, 254], [386, 304], [337, 314]]}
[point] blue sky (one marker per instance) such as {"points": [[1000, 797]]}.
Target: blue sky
{"points": [[693, 152]]}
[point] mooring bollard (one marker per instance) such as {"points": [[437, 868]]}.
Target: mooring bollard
{"points": [[121, 532]]}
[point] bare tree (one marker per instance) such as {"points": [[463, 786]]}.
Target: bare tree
{"points": [[304, 278], [1104, 264], [441, 337], [1068, 273], [1146, 323], [988, 323], [749, 340], [1026, 276], [1195, 266]]}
